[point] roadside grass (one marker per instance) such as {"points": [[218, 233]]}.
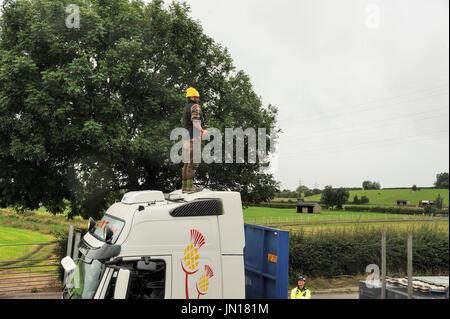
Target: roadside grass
{"points": [[10, 236], [38, 221], [32, 227]]}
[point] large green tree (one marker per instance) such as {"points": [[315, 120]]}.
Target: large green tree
{"points": [[371, 185], [334, 196], [441, 180], [86, 113]]}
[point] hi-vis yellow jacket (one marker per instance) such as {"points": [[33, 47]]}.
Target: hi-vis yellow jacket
{"points": [[300, 294]]}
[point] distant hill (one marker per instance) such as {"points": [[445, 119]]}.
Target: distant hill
{"points": [[390, 196]]}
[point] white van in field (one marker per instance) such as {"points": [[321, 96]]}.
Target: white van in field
{"points": [[151, 246]]}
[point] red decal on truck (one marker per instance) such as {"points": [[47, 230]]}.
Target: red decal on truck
{"points": [[203, 283], [192, 256]]}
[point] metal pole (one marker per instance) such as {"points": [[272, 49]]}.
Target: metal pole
{"points": [[75, 246], [410, 266], [69, 241], [69, 246], [383, 265]]}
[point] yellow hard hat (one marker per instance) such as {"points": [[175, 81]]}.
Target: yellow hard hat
{"points": [[192, 92]]}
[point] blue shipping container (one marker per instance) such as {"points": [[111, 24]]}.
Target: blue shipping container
{"points": [[266, 258]]}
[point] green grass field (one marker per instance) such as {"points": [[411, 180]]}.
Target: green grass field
{"points": [[34, 227], [273, 215], [287, 218], [10, 235], [389, 197]]}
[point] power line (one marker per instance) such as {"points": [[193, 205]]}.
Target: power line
{"points": [[364, 125], [365, 109], [362, 145], [377, 141], [386, 123], [362, 110], [368, 147]]}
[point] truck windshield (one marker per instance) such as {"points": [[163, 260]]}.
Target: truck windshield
{"points": [[85, 279], [114, 223]]}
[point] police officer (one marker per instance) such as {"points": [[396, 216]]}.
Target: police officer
{"points": [[192, 122], [300, 292]]}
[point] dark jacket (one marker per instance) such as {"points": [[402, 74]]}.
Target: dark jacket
{"points": [[191, 112]]}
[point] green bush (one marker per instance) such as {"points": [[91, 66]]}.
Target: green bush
{"points": [[348, 251], [364, 200], [429, 210]]}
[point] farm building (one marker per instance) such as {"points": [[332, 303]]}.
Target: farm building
{"points": [[308, 207], [424, 203], [402, 202]]}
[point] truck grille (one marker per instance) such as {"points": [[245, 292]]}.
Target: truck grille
{"points": [[200, 207]]}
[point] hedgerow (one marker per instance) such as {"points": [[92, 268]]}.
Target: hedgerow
{"points": [[348, 251]]}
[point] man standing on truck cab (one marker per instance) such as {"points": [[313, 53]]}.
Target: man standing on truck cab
{"points": [[192, 122], [300, 292]]}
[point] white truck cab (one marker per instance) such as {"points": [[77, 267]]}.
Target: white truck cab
{"points": [[152, 246]]}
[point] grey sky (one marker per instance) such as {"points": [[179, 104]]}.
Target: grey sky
{"points": [[361, 86]]}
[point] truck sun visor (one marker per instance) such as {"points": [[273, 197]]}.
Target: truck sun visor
{"points": [[200, 207]]}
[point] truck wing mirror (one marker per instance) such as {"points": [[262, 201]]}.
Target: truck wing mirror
{"points": [[108, 234], [91, 226], [68, 264], [121, 290]]}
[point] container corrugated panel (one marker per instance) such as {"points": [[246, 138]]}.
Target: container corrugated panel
{"points": [[266, 257], [394, 292], [434, 280]]}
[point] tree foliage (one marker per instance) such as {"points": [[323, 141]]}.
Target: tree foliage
{"points": [[364, 200], [334, 196], [442, 180], [371, 185], [439, 202], [86, 114]]}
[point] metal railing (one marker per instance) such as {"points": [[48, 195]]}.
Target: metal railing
{"points": [[28, 268]]}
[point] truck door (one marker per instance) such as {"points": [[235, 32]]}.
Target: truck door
{"points": [[150, 279]]}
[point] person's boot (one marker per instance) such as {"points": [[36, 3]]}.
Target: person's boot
{"points": [[184, 187], [196, 188], [187, 188], [191, 188]]}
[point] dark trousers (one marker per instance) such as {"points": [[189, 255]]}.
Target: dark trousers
{"points": [[189, 167]]}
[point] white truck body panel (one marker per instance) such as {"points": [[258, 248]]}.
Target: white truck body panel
{"points": [[143, 197], [150, 230]]}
